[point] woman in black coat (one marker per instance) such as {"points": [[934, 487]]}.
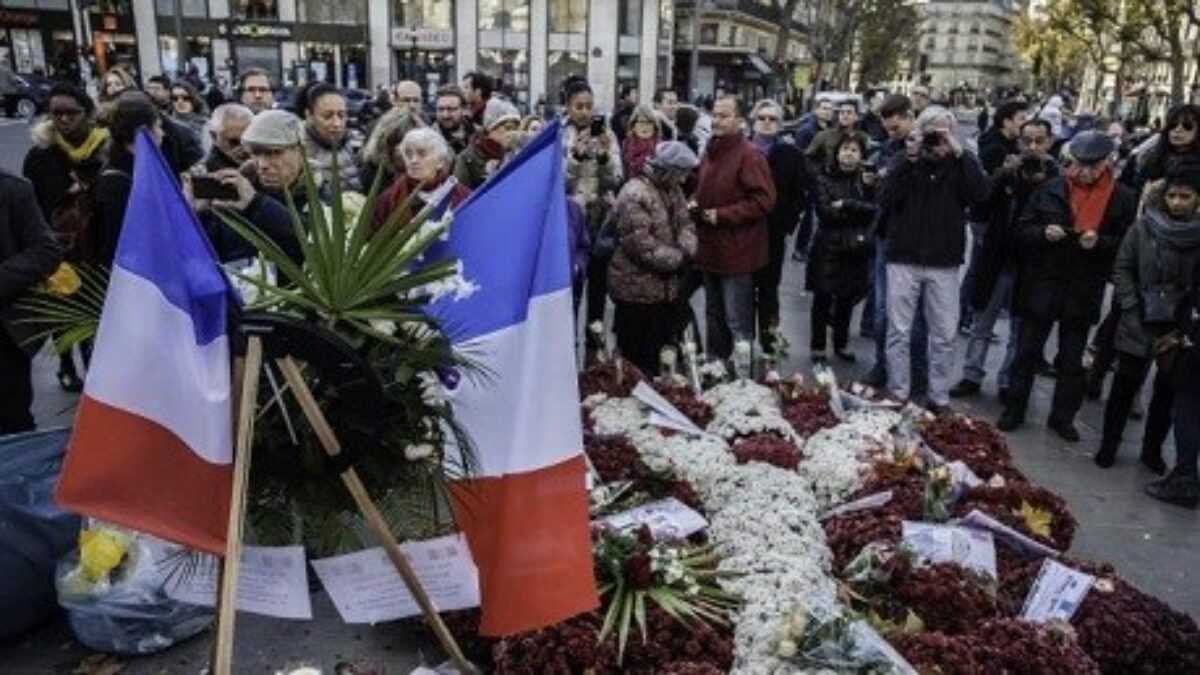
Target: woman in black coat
{"points": [[838, 270], [1178, 141], [132, 112]]}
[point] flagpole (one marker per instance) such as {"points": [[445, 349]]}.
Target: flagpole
{"points": [[370, 512], [247, 400]]}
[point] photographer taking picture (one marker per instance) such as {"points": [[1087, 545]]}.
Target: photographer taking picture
{"points": [[925, 196], [1015, 181]]}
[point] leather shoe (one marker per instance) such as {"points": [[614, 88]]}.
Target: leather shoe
{"points": [[1177, 491], [1105, 459], [1065, 430], [964, 389], [1009, 421]]}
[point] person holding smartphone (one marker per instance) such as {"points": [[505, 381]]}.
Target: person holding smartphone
{"points": [[594, 174]]}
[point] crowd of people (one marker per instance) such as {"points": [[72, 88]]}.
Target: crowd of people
{"points": [[889, 206]]}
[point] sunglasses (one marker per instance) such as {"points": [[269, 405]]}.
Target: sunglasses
{"points": [[1186, 125], [181, 97], [66, 112]]}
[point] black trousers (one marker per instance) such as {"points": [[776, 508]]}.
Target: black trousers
{"points": [[16, 386], [1187, 432], [1104, 342], [1131, 373], [597, 296], [829, 309], [643, 329], [1069, 388], [766, 288]]}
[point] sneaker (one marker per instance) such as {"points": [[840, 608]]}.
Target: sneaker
{"points": [[1178, 491], [1010, 421], [1065, 430], [964, 389]]}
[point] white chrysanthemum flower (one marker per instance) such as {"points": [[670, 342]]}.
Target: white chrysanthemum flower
{"points": [[418, 452], [433, 393]]}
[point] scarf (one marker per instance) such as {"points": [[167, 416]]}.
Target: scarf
{"points": [[83, 151], [764, 143], [636, 152], [1179, 234], [1088, 202], [489, 148]]}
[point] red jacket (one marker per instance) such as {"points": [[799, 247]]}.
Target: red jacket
{"points": [[394, 197], [736, 181]]}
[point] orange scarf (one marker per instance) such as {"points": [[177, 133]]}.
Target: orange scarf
{"points": [[1088, 202]]}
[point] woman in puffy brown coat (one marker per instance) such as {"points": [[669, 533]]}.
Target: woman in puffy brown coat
{"points": [[655, 241]]}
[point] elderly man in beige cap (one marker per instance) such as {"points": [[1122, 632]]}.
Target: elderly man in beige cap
{"points": [[273, 139]]}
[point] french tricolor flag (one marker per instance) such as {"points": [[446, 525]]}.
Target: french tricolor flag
{"points": [[152, 446], [525, 511]]}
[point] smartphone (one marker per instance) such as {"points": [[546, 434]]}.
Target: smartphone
{"points": [[207, 187], [597, 129]]}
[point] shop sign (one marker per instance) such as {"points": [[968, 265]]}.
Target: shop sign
{"points": [[426, 37], [255, 30], [10, 18]]}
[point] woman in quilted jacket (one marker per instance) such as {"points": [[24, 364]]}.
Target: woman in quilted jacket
{"points": [[656, 239]]}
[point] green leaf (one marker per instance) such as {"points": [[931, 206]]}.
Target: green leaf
{"points": [[640, 612], [623, 634]]}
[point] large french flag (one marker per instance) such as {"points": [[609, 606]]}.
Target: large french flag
{"points": [[525, 511], [152, 446]]}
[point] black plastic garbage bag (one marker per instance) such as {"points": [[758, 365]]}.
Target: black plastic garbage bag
{"points": [[34, 532]]}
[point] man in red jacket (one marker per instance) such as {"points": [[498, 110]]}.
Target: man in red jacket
{"points": [[734, 196]]}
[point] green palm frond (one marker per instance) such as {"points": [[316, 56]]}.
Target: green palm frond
{"points": [[66, 319]]}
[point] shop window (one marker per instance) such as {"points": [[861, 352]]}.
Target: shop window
{"points": [[424, 14], [195, 8], [256, 9], [568, 16], [509, 15], [199, 54], [629, 17], [560, 66], [510, 67], [629, 71], [708, 33], [324, 11], [37, 4], [27, 51]]}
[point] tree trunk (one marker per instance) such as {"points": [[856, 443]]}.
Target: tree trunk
{"points": [[785, 28], [1178, 72]]}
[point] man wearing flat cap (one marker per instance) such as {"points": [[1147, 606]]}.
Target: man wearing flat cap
{"points": [[1068, 237]]}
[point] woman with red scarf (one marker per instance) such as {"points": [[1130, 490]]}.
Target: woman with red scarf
{"points": [[1067, 238], [640, 142], [426, 169]]}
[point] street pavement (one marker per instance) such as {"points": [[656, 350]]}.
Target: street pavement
{"points": [[1155, 546]]}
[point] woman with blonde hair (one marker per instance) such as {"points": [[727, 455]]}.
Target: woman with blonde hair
{"points": [[381, 154]]}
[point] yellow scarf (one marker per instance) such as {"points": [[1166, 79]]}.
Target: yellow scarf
{"points": [[95, 139]]}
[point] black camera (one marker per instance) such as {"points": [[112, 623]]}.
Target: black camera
{"points": [[1032, 166], [932, 140]]}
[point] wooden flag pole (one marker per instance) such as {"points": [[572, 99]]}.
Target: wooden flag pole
{"points": [[375, 520], [247, 399]]}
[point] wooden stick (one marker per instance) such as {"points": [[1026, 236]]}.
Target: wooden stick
{"points": [[375, 520], [247, 399]]}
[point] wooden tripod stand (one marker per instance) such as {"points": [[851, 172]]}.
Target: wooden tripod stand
{"points": [[247, 370]]}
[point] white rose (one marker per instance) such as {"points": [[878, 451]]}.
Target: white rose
{"points": [[415, 453], [787, 649]]}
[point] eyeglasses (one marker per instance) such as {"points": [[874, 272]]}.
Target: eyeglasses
{"points": [[181, 97], [449, 110], [257, 90], [66, 112]]}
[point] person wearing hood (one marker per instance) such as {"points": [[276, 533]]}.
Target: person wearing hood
{"points": [[1155, 262], [656, 240], [427, 163], [839, 264], [1067, 239], [490, 146], [64, 162], [641, 138], [325, 135], [791, 189]]}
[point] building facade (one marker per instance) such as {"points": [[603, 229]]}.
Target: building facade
{"points": [[967, 45], [529, 46]]}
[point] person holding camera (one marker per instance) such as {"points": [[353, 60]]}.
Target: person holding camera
{"points": [[594, 175], [1067, 240], [925, 196], [1153, 270], [1015, 181]]}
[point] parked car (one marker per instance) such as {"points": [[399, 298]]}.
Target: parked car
{"points": [[30, 98]]}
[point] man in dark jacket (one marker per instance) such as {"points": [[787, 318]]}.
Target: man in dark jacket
{"points": [[225, 129], [452, 121], [820, 119], [925, 198], [1012, 186], [623, 110], [1068, 237], [787, 172], [28, 254], [734, 197]]}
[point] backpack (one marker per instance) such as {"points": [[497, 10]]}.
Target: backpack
{"points": [[72, 219]]}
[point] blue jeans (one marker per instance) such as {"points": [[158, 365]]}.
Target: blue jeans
{"points": [[920, 331], [729, 312], [966, 311], [981, 334]]}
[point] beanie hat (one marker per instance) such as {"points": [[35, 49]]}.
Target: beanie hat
{"points": [[675, 156], [499, 111]]}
